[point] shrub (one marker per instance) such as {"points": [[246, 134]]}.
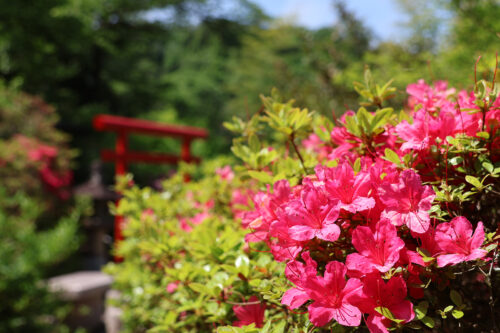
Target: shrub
{"points": [[38, 225], [380, 220], [27, 255], [34, 156]]}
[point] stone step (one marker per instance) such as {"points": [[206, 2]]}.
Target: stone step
{"points": [[86, 291]]}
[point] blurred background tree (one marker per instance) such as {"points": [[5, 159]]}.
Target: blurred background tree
{"points": [[199, 62]]}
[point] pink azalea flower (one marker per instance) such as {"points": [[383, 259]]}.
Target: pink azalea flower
{"points": [[314, 215], [344, 141], [458, 242], [298, 273], [428, 242], [172, 286], [414, 282], [250, 313], [378, 251], [225, 173], [408, 257], [341, 183], [185, 225], [407, 202], [284, 251], [283, 247], [431, 98], [331, 295], [240, 202], [148, 213], [390, 295], [314, 144], [416, 135], [37, 151], [267, 207]]}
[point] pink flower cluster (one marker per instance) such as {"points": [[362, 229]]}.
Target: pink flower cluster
{"points": [[436, 112], [374, 220], [204, 212], [45, 157], [359, 244]]}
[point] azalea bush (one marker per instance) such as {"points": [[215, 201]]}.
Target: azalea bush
{"points": [[34, 155], [38, 220], [381, 220], [186, 264]]}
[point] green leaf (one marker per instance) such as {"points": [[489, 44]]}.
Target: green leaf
{"points": [[280, 327], [428, 321], [448, 308], [261, 176], [352, 126], [254, 143], [421, 309], [266, 327], [474, 181], [391, 156], [490, 247], [380, 118], [229, 329], [357, 165], [456, 160], [457, 314], [362, 116], [484, 135], [198, 287], [488, 166], [388, 314], [456, 298]]}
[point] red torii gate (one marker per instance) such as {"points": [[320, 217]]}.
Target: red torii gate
{"points": [[123, 126]]}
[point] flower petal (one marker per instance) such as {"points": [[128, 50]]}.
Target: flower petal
{"points": [[294, 298]]}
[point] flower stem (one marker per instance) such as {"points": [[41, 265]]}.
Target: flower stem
{"points": [[292, 140]]}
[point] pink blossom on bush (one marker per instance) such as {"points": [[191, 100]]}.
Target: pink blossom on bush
{"points": [[225, 173], [378, 251], [351, 190], [313, 215], [267, 207], [458, 243], [250, 313], [298, 273], [172, 287], [331, 296], [377, 294], [407, 202]]}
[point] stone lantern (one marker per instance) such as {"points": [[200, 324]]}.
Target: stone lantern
{"points": [[98, 227]]}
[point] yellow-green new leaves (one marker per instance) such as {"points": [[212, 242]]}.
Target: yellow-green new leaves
{"points": [[391, 156], [322, 127], [374, 94], [286, 119], [485, 95], [242, 128], [366, 124], [252, 154]]}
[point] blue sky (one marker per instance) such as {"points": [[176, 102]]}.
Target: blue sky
{"points": [[381, 16]]}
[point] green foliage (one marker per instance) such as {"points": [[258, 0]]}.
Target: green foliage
{"points": [[211, 265], [26, 257]]}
